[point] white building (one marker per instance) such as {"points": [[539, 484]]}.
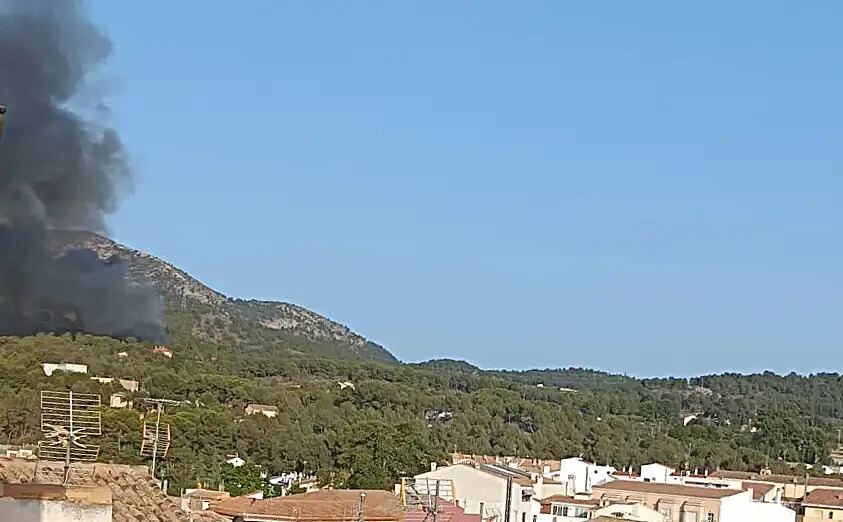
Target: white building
{"points": [[49, 368], [126, 384], [629, 511], [118, 400], [658, 473], [236, 461], [483, 489], [579, 475], [563, 508], [263, 409]]}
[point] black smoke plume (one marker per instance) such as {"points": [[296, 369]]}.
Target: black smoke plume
{"points": [[60, 171]]}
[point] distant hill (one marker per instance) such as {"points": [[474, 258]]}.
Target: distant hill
{"points": [[195, 311], [450, 365]]}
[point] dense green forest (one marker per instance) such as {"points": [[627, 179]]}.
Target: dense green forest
{"points": [[398, 417]]}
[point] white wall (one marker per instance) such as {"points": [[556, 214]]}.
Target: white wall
{"points": [[586, 474], [472, 486], [741, 508], [655, 472], [51, 511]]}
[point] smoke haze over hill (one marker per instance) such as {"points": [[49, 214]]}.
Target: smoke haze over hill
{"points": [[60, 170]]}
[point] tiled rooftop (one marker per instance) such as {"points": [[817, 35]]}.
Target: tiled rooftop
{"points": [[135, 497], [319, 506], [824, 498], [665, 489], [563, 499], [778, 479]]}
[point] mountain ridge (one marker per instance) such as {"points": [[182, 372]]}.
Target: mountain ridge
{"points": [[197, 311]]}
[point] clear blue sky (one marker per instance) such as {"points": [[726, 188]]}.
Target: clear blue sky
{"points": [[644, 187]]}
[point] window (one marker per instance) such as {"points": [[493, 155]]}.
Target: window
{"points": [[709, 517], [831, 515], [558, 510], [523, 517]]}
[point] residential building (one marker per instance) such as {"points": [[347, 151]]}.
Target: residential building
{"points": [[630, 512], [126, 384], [489, 490], [50, 368], [789, 487], [135, 496], [54, 503], [658, 473], [236, 461], [321, 506], [530, 465], [681, 503], [119, 400], [163, 350], [579, 475], [823, 504], [193, 500], [563, 508], [11, 451], [263, 409]]}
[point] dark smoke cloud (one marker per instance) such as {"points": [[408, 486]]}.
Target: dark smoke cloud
{"points": [[59, 171]]}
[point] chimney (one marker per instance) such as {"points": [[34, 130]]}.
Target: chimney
{"points": [[432, 466], [778, 496]]}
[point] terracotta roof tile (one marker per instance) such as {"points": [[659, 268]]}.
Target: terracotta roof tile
{"points": [[665, 489], [824, 498], [135, 498], [778, 479], [562, 499], [321, 506]]}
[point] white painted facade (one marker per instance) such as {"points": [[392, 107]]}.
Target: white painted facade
{"points": [[580, 476], [475, 486], [236, 462], [658, 473], [741, 508], [50, 368], [631, 512]]}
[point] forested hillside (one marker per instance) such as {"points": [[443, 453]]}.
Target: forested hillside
{"points": [[396, 418], [195, 312]]}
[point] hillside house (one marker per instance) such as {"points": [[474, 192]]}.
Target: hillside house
{"points": [[119, 401], [163, 350], [126, 384], [50, 368], [236, 461], [263, 409]]}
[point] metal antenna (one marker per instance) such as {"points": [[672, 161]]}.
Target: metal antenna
{"points": [[156, 439], [67, 419]]}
